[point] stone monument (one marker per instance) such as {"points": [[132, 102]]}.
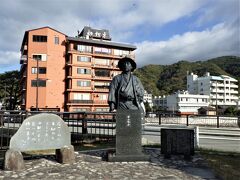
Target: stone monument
{"points": [[126, 96], [41, 132], [177, 141]]}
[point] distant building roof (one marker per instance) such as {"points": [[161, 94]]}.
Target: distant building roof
{"points": [[101, 42]]}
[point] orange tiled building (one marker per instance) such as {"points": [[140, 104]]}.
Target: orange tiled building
{"points": [[61, 73]]}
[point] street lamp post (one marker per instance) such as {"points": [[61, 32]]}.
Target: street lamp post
{"points": [[37, 85], [216, 100]]}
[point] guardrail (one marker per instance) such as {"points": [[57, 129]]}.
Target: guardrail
{"points": [[197, 120], [84, 126], [100, 126]]}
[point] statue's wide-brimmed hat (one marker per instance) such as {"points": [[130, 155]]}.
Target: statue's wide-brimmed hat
{"points": [[121, 61]]}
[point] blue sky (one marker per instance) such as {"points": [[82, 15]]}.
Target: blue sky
{"points": [[164, 31]]}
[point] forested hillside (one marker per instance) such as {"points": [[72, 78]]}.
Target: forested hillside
{"points": [[166, 79]]}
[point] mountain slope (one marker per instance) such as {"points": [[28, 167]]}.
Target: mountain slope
{"points": [[166, 79]]}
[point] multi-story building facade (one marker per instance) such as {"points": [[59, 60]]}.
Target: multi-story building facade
{"points": [[222, 90], [181, 102], [184, 103], [42, 69], [69, 73]]}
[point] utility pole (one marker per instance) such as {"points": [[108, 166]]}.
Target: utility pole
{"points": [[37, 85], [216, 100]]}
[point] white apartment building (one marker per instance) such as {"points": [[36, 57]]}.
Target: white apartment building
{"points": [[222, 90], [148, 98], [184, 103]]}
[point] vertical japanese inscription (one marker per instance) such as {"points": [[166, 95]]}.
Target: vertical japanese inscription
{"points": [[43, 131]]}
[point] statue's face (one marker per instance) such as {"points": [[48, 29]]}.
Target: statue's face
{"points": [[127, 66]]}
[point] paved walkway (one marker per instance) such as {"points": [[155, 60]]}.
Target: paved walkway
{"points": [[90, 166]]}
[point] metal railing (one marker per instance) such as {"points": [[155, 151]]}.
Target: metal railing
{"points": [[195, 120], [100, 126], [84, 126]]}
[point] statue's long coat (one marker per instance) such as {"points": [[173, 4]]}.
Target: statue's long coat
{"points": [[115, 87]]}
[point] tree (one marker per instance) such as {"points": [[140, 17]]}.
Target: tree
{"points": [[231, 110], [9, 89]]}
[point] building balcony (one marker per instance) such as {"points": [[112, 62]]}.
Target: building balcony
{"points": [[23, 59], [101, 89], [233, 86], [218, 90], [233, 92], [218, 84], [102, 78], [80, 89], [74, 101], [102, 66], [231, 97], [74, 51], [102, 102], [24, 49], [103, 55]]}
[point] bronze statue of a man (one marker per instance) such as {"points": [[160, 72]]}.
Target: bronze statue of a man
{"points": [[126, 90]]}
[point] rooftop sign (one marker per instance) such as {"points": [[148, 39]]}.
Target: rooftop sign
{"points": [[88, 32]]}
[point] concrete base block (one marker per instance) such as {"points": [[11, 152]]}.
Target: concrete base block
{"points": [[65, 155], [14, 161]]}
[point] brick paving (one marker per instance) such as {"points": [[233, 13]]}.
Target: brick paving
{"points": [[89, 165]]}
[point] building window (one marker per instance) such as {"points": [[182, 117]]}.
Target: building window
{"points": [[34, 70], [56, 40], [83, 59], [42, 70], [103, 96], [41, 83], [38, 38], [39, 57], [84, 83], [102, 109], [118, 52], [83, 48], [101, 85], [81, 96], [81, 109], [101, 61], [99, 50], [83, 71], [102, 73]]}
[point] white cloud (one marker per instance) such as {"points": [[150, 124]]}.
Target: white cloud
{"points": [[9, 58], [221, 10], [123, 18], [221, 40]]}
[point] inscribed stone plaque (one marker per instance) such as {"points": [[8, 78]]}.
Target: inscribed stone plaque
{"points": [[177, 141], [128, 136], [41, 132]]}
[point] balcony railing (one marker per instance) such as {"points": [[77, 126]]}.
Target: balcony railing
{"points": [[100, 102], [74, 101], [23, 59]]}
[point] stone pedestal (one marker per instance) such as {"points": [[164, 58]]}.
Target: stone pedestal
{"points": [[176, 141], [65, 155], [128, 137], [14, 161]]}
